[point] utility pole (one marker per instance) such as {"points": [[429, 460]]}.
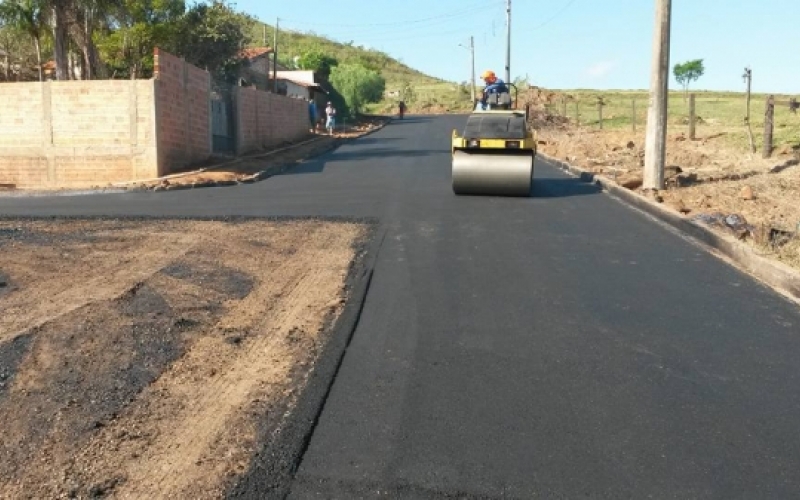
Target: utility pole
{"points": [[748, 78], [275, 58], [472, 51], [656, 138], [508, 41], [471, 48]]}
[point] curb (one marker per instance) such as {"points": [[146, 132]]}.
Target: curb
{"points": [[777, 275], [272, 471], [263, 174], [135, 186]]}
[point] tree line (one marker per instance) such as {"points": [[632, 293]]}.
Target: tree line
{"points": [[99, 39]]}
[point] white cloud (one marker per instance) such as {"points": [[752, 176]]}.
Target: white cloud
{"points": [[601, 69]]}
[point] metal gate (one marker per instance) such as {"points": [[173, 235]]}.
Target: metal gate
{"points": [[222, 122]]}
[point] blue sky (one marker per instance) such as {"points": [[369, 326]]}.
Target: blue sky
{"points": [[602, 44]]}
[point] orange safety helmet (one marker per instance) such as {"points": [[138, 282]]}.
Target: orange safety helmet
{"points": [[489, 76]]}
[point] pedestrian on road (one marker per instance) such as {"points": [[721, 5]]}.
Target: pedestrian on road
{"points": [[330, 123]]}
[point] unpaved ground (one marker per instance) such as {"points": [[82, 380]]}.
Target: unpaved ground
{"points": [[136, 357], [706, 178]]}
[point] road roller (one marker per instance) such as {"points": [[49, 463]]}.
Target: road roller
{"points": [[495, 153]]}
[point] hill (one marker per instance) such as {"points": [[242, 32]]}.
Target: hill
{"points": [[421, 92]]}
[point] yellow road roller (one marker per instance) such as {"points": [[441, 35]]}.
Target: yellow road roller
{"points": [[494, 155]]}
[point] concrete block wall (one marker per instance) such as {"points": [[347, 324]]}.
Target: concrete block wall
{"points": [[265, 120], [86, 133], [183, 113], [76, 133]]}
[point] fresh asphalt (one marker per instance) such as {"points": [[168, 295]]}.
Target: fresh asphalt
{"points": [[557, 346]]}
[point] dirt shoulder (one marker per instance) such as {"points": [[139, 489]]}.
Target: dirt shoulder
{"points": [[138, 357], [707, 180]]}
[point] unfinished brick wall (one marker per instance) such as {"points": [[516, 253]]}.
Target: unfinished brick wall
{"points": [[76, 133], [183, 114], [264, 119], [91, 133]]}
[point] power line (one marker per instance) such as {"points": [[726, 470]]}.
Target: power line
{"points": [[437, 34], [555, 16], [481, 6], [408, 29]]}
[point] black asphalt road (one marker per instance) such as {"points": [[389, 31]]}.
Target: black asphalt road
{"points": [[560, 346]]}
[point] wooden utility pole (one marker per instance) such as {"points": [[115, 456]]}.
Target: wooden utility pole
{"points": [[748, 78], [769, 117], [508, 41], [275, 58], [692, 118], [656, 137]]}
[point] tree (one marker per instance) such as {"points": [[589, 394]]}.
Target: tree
{"points": [[358, 85], [688, 72], [28, 16], [211, 36], [141, 25], [319, 62]]}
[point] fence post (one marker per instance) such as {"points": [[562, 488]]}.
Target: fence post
{"points": [[564, 105], [600, 112], [633, 114], [768, 126], [692, 117], [577, 113]]}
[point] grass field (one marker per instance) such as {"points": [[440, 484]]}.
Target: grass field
{"points": [[718, 112]]}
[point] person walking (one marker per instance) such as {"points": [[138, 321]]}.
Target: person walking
{"points": [[312, 114], [330, 122]]}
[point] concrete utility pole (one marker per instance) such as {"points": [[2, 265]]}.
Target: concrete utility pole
{"points": [[748, 78], [471, 48], [275, 58], [656, 138], [508, 41]]}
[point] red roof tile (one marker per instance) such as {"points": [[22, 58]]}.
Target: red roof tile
{"points": [[253, 52]]}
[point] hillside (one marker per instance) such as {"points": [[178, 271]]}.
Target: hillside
{"points": [[422, 92]]}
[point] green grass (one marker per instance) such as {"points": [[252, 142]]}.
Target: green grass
{"points": [[720, 112]]}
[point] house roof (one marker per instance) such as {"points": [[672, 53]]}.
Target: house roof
{"points": [[253, 52], [301, 83]]}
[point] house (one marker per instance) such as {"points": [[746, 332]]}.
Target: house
{"points": [[258, 67], [302, 84]]}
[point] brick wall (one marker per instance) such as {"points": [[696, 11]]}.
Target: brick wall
{"points": [[76, 133], [183, 114], [86, 133], [264, 119]]}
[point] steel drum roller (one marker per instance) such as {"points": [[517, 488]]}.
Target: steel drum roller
{"points": [[499, 173]]}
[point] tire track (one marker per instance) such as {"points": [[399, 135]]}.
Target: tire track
{"points": [[196, 424]]}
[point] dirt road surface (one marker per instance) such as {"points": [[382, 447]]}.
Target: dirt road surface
{"points": [[137, 356]]}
